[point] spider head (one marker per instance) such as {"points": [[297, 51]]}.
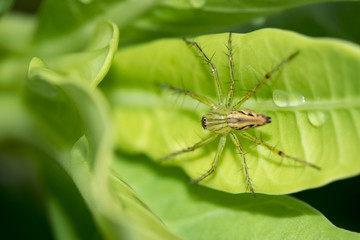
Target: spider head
{"points": [[216, 121], [204, 122]]}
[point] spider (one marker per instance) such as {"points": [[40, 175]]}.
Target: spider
{"points": [[227, 118]]}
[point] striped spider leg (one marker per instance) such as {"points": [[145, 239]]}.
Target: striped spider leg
{"points": [[227, 118]]}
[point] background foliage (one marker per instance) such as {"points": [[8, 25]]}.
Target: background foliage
{"points": [[59, 173]]}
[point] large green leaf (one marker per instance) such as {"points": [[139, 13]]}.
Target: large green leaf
{"points": [[313, 101], [74, 128], [198, 213]]}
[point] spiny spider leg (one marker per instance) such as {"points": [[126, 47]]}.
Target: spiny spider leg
{"points": [[192, 148], [246, 172], [263, 80], [231, 70], [218, 154], [211, 66], [202, 99], [275, 150]]}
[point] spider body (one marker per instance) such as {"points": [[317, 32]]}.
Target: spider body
{"points": [[223, 121], [227, 119]]}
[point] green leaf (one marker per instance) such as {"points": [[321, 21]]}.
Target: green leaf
{"points": [[200, 213], [99, 52], [5, 6], [313, 102], [16, 34], [143, 20], [331, 19], [74, 127]]}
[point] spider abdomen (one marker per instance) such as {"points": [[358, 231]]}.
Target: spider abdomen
{"points": [[224, 121], [244, 119]]}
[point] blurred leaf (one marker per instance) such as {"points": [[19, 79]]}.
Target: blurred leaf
{"points": [[5, 6], [331, 19], [15, 46], [73, 118], [16, 32], [195, 17], [143, 20], [61, 18], [22, 143], [99, 52], [313, 102], [201, 213]]}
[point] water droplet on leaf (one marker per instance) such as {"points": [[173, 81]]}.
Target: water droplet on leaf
{"points": [[280, 98], [317, 118], [283, 99]]}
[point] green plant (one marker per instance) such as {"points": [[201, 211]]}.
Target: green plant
{"points": [[90, 120]]}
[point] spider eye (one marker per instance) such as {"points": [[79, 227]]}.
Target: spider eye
{"points": [[268, 119], [204, 122]]}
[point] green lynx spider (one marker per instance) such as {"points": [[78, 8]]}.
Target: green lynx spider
{"points": [[226, 118]]}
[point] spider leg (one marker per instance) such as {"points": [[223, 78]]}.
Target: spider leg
{"points": [[231, 70], [211, 66], [218, 154], [275, 150], [202, 99], [192, 148], [263, 80], [246, 172]]}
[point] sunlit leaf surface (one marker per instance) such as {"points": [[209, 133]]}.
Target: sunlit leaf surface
{"points": [[313, 102]]}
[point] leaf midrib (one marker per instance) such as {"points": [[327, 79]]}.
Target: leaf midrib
{"points": [[269, 105]]}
